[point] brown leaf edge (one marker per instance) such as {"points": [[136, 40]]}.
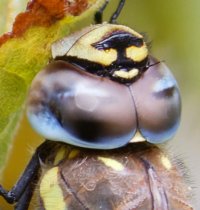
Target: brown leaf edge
{"points": [[44, 13]]}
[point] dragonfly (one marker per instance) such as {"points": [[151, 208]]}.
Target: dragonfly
{"points": [[103, 103]]}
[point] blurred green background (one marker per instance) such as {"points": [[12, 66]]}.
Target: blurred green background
{"points": [[173, 29]]}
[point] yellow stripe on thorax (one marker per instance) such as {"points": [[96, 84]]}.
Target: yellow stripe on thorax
{"points": [[114, 164], [50, 191]]}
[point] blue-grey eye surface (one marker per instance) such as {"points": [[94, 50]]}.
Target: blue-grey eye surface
{"points": [[71, 105]]}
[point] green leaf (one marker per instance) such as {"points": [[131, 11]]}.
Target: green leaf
{"points": [[21, 58], [12, 94]]}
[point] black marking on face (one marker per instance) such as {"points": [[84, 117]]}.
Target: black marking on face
{"points": [[107, 71], [120, 41]]}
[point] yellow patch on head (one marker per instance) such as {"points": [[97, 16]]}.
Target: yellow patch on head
{"points": [[83, 47], [114, 164], [137, 54], [50, 191], [126, 74]]}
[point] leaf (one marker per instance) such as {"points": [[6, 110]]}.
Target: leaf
{"points": [[26, 50], [8, 10]]}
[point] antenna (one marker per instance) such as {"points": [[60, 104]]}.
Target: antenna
{"points": [[117, 12], [98, 17]]}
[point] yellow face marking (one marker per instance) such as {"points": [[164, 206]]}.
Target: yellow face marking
{"points": [[166, 163], [51, 192], [62, 46], [137, 138], [114, 164], [74, 153], [92, 54], [137, 53], [126, 75], [83, 48]]}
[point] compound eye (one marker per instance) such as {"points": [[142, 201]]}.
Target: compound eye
{"points": [[70, 105], [158, 103]]}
